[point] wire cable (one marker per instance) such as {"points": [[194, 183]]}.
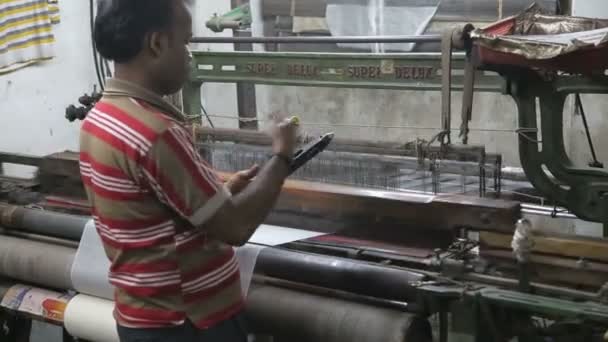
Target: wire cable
{"points": [[207, 116], [94, 49], [102, 68], [108, 70]]}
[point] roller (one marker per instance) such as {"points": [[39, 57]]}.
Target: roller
{"points": [[291, 316], [36, 262], [43, 222], [338, 273], [286, 315]]}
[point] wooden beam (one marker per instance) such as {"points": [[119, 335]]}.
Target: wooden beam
{"points": [[20, 159], [566, 246], [369, 208]]}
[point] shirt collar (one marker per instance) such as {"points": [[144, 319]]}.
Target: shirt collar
{"points": [[117, 87]]}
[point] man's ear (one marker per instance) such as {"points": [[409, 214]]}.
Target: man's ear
{"points": [[157, 43]]}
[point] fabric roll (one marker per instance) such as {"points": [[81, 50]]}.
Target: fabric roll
{"points": [[91, 319]]}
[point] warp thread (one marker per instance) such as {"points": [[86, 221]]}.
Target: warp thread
{"points": [[602, 294], [523, 240]]}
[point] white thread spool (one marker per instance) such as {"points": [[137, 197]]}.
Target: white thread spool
{"points": [[523, 241]]}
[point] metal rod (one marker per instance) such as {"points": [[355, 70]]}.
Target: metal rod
{"points": [[546, 211], [579, 105], [524, 277], [443, 325], [333, 293], [319, 40], [538, 288]]}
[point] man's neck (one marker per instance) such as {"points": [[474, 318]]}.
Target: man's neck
{"points": [[135, 76]]}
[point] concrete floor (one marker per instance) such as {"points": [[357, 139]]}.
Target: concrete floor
{"points": [[43, 332]]}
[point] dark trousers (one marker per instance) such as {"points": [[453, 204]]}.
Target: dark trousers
{"points": [[232, 330]]}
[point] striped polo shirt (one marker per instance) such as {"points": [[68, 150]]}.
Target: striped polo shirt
{"points": [[151, 195]]}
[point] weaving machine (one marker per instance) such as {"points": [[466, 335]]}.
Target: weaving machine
{"points": [[373, 250]]}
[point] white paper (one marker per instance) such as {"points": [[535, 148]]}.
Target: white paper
{"points": [[265, 236], [247, 256], [91, 319], [91, 266], [274, 235]]}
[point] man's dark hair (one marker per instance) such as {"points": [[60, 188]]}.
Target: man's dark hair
{"points": [[121, 25]]}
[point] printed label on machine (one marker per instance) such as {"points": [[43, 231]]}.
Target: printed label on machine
{"points": [[41, 303]]}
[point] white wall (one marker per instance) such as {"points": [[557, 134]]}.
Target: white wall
{"points": [[33, 100], [595, 105], [218, 99], [590, 8]]}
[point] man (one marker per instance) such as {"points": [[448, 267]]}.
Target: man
{"points": [[167, 223]]}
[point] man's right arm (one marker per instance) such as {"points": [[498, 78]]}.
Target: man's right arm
{"points": [[239, 217]]}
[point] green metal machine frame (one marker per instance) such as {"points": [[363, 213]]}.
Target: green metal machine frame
{"points": [[235, 19], [488, 313], [418, 71], [584, 191]]}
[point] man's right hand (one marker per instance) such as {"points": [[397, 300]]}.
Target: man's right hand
{"points": [[284, 137]]}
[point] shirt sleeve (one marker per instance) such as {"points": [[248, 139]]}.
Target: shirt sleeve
{"points": [[181, 179]]}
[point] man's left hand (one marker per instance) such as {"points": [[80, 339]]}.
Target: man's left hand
{"points": [[241, 179]]}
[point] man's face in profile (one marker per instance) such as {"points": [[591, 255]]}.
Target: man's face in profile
{"points": [[173, 64]]}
